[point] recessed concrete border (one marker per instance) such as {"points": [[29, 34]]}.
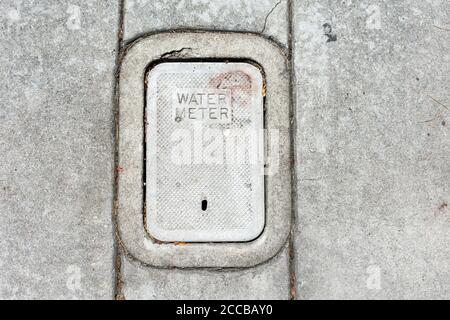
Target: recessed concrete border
{"points": [[130, 216]]}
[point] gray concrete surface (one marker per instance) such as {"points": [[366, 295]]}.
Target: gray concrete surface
{"points": [[266, 281], [264, 16], [372, 146], [56, 149], [373, 169]]}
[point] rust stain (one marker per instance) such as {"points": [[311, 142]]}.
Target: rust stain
{"points": [[120, 169], [233, 80], [238, 81], [443, 206]]}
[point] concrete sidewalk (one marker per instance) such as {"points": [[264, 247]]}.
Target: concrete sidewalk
{"points": [[370, 124]]}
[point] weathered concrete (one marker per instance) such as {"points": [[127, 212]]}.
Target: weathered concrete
{"points": [[56, 149], [267, 281], [266, 16], [373, 169]]}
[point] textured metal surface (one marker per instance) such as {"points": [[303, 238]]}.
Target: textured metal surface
{"points": [[204, 179]]}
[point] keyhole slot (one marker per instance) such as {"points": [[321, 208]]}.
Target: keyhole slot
{"points": [[204, 205]]}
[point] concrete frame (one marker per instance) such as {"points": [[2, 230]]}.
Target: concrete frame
{"points": [[130, 208]]}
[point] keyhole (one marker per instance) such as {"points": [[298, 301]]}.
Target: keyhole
{"points": [[204, 205]]}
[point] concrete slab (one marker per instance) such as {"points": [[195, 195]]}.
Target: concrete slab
{"points": [[267, 281], [56, 149], [270, 18], [261, 16], [372, 149]]}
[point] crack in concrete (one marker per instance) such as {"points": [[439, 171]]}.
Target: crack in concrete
{"points": [[268, 14], [128, 43], [174, 53]]}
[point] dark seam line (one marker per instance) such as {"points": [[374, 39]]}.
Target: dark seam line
{"points": [[117, 258], [293, 130]]}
